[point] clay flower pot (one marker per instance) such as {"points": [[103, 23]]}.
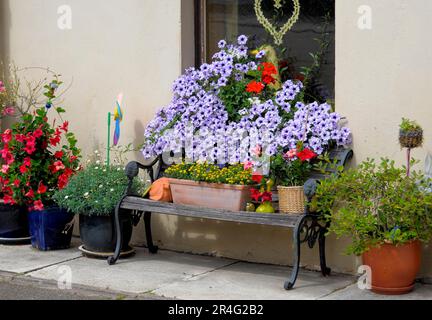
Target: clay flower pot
{"points": [[210, 195], [394, 268]]}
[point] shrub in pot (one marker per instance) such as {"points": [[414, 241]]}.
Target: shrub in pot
{"points": [[40, 157], [387, 214], [93, 193]]}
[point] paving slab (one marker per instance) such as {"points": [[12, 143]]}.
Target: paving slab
{"points": [[421, 292], [254, 282], [142, 273], [23, 259]]}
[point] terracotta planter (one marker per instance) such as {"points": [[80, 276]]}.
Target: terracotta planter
{"points": [[394, 268], [210, 195]]}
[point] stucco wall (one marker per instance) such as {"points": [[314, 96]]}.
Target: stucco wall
{"points": [[136, 46]]}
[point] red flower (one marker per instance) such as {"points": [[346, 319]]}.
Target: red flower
{"points": [[55, 140], [57, 166], [73, 158], [59, 154], [38, 133], [306, 155], [266, 196], [23, 169], [30, 194], [268, 70], [257, 178], [255, 194], [7, 136], [38, 205], [41, 189], [8, 199], [27, 162], [65, 126], [16, 183], [255, 87], [20, 137], [30, 147]]}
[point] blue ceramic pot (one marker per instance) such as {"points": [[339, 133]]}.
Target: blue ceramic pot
{"points": [[48, 229]]}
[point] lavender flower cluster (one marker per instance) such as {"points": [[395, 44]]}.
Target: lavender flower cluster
{"points": [[197, 120]]}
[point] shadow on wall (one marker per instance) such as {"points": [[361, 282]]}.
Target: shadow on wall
{"points": [[5, 26]]}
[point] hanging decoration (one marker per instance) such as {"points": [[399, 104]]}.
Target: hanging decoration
{"points": [[277, 35]]}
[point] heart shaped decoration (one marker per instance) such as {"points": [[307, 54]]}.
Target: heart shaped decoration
{"points": [[278, 35]]}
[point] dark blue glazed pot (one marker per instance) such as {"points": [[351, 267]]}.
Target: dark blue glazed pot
{"points": [[13, 225], [49, 229]]}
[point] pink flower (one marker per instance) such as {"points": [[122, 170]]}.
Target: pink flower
{"points": [[9, 111], [248, 165], [2, 87], [290, 154], [257, 151], [5, 169]]}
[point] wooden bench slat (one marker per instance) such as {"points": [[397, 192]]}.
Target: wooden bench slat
{"points": [[141, 204]]}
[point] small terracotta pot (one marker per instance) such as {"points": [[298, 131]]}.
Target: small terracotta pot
{"points": [[394, 268], [210, 195]]}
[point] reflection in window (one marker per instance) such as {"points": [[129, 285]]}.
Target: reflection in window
{"points": [[313, 33]]}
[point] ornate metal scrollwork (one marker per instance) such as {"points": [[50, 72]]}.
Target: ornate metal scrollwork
{"points": [[311, 231]]}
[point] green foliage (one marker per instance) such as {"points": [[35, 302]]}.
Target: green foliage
{"points": [[235, 98], [95, 190], [408, 125], [205, 172], [376, 204]]}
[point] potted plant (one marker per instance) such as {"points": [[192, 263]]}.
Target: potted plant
{"points": [[18, 96], [36, 163], [93, 194], [410, 134], [387, 214], [290, 171], [209, 185]]}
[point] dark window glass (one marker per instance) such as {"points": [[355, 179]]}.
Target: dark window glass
{"points": [[313, 33]]}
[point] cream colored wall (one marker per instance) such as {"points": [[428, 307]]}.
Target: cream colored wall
{"points": [[132, 46], [135, 46]]}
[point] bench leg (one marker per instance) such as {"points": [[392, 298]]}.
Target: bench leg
{"points": [[113, 259], [296, 265], [324, 269], [147, 223]]}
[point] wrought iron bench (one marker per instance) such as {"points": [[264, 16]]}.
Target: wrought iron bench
{"points": [[308, 227]]}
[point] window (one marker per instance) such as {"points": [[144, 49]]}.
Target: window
{"points": [[312, 34]]}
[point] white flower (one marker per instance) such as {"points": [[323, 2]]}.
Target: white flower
{"points": [[101, 186], [67, 197], [96, 168], [96, 152], [112, 190], [98, 162], [86, 195]]}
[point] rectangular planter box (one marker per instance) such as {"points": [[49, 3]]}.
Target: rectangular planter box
{"points": [[210, 195]]}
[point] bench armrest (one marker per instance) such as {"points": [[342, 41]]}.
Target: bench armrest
{"points": [[132, 170]]}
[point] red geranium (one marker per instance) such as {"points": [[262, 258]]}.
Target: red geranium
{"points": [[255, 87], [268, 70], [306, 155], [257, 178]]}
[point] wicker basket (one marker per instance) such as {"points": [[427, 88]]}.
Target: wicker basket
{"points": [[411, 139], [291, 200]]}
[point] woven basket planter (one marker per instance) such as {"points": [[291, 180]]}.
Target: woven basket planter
{"points": [[411, 139], [291, 200]]}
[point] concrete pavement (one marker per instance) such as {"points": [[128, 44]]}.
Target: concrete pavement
{"points": [[30, 274]]}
